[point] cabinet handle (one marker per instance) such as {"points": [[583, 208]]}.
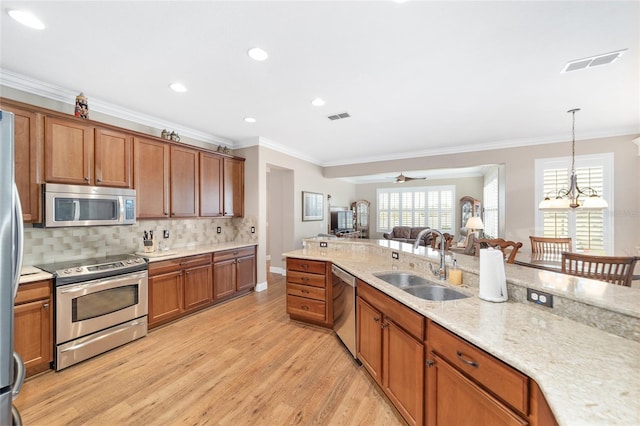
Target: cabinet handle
{"points": [[384, 325], [466, 361], [87, 179], [376, 319], [430, 363], [305, 279], [45, 305], [98, 180], [305, 291], [304, 307]]}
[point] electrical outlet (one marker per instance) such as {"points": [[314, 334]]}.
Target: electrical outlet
{"points": [[253, 229], [165, 233], [323, 243], [540, 297], [395, 255], [219, 230]]}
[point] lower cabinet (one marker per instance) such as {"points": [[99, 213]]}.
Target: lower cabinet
{"points": [[234, 272], [309, 291], [33, 335], [178, 286], [390, 346]]}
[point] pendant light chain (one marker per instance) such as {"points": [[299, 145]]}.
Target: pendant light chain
{"points": [[573, 138]]}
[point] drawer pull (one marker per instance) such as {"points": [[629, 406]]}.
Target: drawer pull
{"points": [[304, 307], [430, 363], [466, 361], [376, 319], [384, 325], [304, 279], [305, 291], [45, 305]]}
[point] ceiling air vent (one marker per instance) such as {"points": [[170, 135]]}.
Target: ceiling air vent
{"points": [[592, 61], [339, 116]]}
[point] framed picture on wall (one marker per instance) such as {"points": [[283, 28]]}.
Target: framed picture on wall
{"points": [[312, 206]]}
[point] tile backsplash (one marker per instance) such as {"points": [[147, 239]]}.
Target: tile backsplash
{"points": [[47, 245]]}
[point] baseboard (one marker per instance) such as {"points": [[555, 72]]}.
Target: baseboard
{"points": [[261, 286], [277, 270]]}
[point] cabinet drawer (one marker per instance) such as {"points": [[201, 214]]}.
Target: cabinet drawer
{"points": [[306, 279], [171, 265], [232, 254], [33, 291], [410, 320], [304, 265], [497, 377], [306, 291], [308, 308]]}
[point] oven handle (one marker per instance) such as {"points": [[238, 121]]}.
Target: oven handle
{"points": [[118, 278], [117, 330]]}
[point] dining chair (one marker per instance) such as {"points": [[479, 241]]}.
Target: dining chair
{"points": [[509, 248], [436, 243], [549, 245], [612, 269]]}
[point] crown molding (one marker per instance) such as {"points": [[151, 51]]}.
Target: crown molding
{"points": [[68, 96]]}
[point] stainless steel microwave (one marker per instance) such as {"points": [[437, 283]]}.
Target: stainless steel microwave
{"points": [[75, 205]]}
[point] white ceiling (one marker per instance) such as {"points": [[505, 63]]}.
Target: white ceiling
{"points": [[417, 78]]}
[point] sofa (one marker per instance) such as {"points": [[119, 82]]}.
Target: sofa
{"points": [[408, 234]]}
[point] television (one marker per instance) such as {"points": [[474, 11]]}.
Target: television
{"points": [[342, 221]]}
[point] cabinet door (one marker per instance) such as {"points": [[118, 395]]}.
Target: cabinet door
{"points": [[28, 161], [246, 272], [456, 400], [233, 187], [113, 152], [184, 182], [369, 337], [32, 335], [403, 379], [68, 151], [151, 178], [224, 279], [211, 178], [197, 287], [165, 297]]}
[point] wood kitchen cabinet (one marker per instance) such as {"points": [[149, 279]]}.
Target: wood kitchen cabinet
{"points": [[211, 189], [178, 286], [467, 386], [233, 198], [390, 346], [234, 272], [33, 333], [185, 192], [151, 178], [79, 153], [28, 143], [309, 291]]}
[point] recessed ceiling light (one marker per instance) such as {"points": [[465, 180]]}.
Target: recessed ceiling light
{"points": [[250, 119], [257, 54], [26, 18], [317, 102], [178, 87]]}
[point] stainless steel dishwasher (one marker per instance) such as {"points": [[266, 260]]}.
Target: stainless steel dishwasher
{"points": [[344, 307]]}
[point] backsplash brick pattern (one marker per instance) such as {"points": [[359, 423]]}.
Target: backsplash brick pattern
{"points": [[50, 245]]}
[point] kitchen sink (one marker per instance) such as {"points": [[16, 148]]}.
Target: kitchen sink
{"points": [[420, 287]]}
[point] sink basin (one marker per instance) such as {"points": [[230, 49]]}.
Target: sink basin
{"points": [[402, 279], [420, 287]]}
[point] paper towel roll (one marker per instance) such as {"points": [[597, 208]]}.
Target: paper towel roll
{"points": [[493, 283]]}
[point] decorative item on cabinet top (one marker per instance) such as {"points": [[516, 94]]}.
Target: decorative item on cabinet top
{"points": [[223, 149], [170, 136], [82, 106]]}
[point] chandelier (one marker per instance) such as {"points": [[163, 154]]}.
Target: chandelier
{"points": [[571, 198]]}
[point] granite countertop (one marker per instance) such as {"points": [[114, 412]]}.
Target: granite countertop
{"points": [[191, 251], [588, 376], [29, 274]]}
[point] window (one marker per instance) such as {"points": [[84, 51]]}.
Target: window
{"points": [[490, 197], [426, 206], [589, 230]]}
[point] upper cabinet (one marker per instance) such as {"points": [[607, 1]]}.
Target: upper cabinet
{"points": [[233, 187], [185, 192], [28, 160], [151, 178], [211, 178], [81, 154]]}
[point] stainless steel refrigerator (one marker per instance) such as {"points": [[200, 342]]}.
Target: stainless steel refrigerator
{"points": [[11, 237]]}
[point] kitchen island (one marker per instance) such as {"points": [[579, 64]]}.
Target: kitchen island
{"points": [[587, 375]]}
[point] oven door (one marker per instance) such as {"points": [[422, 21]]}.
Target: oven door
{"points": [[91, 306]]}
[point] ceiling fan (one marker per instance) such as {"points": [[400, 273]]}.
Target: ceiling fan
{"points": [[402, 178]]}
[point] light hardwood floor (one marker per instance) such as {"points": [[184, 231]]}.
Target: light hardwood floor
{"points": [[242, 362]]}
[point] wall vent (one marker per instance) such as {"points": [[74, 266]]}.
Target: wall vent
{"points": [[592, 61], [339, 116]]}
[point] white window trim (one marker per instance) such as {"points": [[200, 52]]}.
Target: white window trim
{"points": [[606, 161], [425, 189]]}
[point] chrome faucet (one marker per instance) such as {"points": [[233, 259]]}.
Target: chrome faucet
{"points": [[441, 272]]}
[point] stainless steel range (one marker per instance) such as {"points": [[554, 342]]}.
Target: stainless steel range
{"points": [[99, 304]]}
